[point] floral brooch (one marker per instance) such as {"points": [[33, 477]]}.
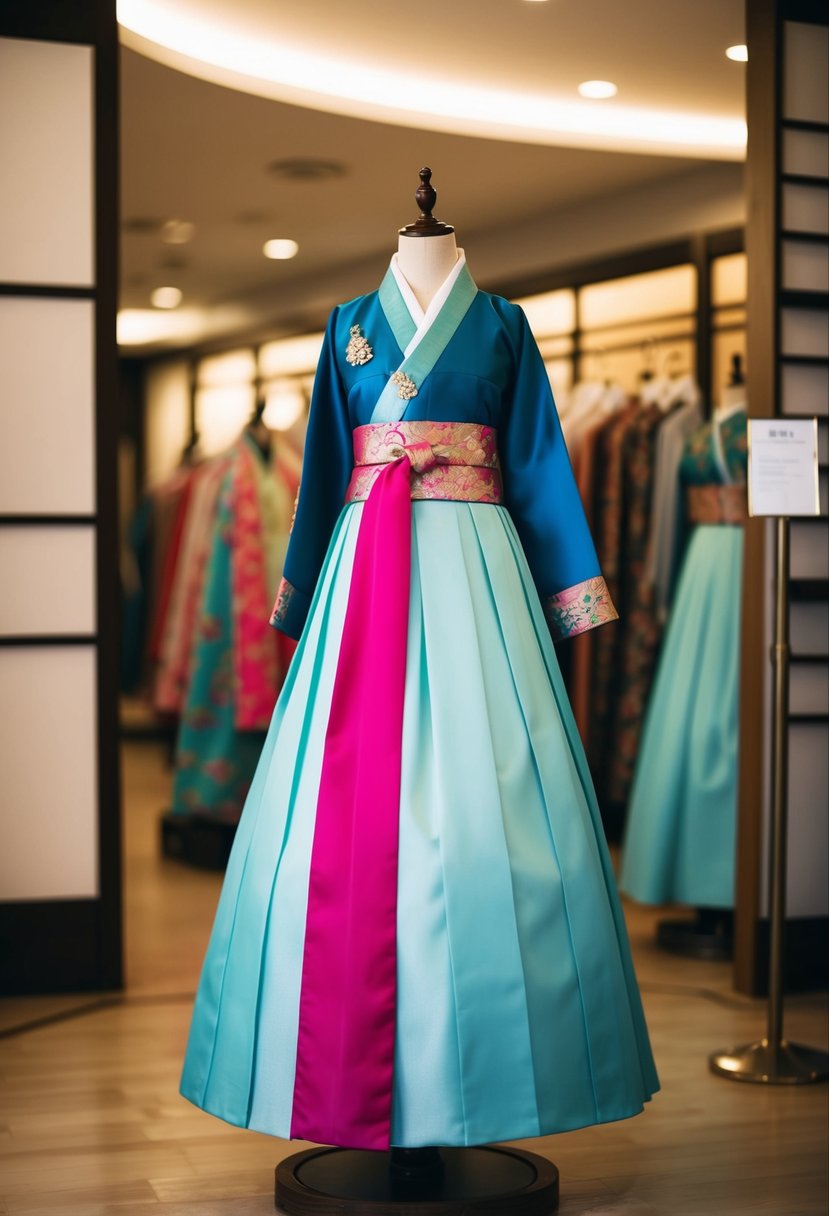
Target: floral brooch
{"points": [[406, 387], [358, 350]]}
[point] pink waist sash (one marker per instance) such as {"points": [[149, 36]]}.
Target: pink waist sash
{"points": [[449, 460], [348, 998]]}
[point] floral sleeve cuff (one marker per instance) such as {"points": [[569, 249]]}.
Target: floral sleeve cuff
{"points": [[579, 608], [290, 609]]}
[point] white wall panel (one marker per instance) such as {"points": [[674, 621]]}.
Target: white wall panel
{"points": [[808, 838], [47, 406], [805, 266], [804, 332], [48, 577], [809, 688], [805, 390], [806, 152], [809, 550], [48, 759], [805, 208], [806, 71], [46, 154], [809, 627]]}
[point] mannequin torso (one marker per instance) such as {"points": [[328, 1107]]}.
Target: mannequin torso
{"points": [[425, 262]]}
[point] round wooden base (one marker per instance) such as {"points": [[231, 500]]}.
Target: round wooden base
{"points": [[489, 1181]]}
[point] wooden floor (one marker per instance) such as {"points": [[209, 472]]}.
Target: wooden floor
{"points": [[91, 1123]]}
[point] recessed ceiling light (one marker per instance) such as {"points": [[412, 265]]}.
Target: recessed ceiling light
{"points": [[178, 232], [598, 89], [738, 53], [280, 249], [165, 297]]}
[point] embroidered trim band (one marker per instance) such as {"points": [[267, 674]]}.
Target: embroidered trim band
{"points": [[284, 596], [450, 460], [579, 608], [716, 504]]}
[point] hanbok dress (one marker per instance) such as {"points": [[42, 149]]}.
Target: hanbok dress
{"points": [[419, 940], [680, 834]]}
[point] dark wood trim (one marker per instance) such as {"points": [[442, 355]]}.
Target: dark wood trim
{"points": [[805, 361], [805, 179], [9, 641], [51, 291], [806, 238], [49, 20], [51, 946], [704, 371], [10, 520], [763, 211], [800, 298], [106, 435], [803, 124], [813, 12]]}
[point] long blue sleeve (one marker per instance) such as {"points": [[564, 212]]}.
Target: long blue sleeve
{"points": [[326, 469], [542, 496]]}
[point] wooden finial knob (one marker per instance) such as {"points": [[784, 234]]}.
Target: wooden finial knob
{"points": [[425, 197]]}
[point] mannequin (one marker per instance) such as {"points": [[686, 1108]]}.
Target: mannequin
{"points": [[318, 1030]]}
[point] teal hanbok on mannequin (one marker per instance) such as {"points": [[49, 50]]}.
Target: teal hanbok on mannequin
{"points": [[419, 940], [680, 835]]}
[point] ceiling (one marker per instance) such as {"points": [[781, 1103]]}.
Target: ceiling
{"points": [[200, 151]]}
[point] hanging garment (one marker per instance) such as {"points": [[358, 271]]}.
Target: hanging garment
{"points": [[665, 542], [585, 468], [236, 665], [609, 510], [418, 940], [641, 631], [680, 835]]}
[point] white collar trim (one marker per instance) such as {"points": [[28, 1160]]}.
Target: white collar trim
{"points": [[425, 320]]}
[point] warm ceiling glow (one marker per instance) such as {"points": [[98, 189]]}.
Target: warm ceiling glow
{"points": [[379, 91], [165, 297], [738, 53], [598, 89], [280, 249], [142, 326], [178, 232]]}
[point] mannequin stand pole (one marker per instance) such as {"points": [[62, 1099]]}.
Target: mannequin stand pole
{"points": [[771, 1060], [416, 1182]]}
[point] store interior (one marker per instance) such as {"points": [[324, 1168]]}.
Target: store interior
{"points": [[251, 204]]}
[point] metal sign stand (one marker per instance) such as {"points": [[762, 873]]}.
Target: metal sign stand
{"points": [[772, 1060]]}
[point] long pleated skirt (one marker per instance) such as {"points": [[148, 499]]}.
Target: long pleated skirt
{"points": [[680, 835], [518, 1013]]}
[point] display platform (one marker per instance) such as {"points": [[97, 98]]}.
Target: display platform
{"points": [[445, 1182]]}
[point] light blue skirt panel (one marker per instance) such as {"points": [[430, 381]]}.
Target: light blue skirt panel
{"points": [[680, 836], [518, 1011]]}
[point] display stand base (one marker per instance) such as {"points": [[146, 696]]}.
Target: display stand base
{"points": [[197, 840], [709, 936], [766, 1064], [458, 1182]]}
